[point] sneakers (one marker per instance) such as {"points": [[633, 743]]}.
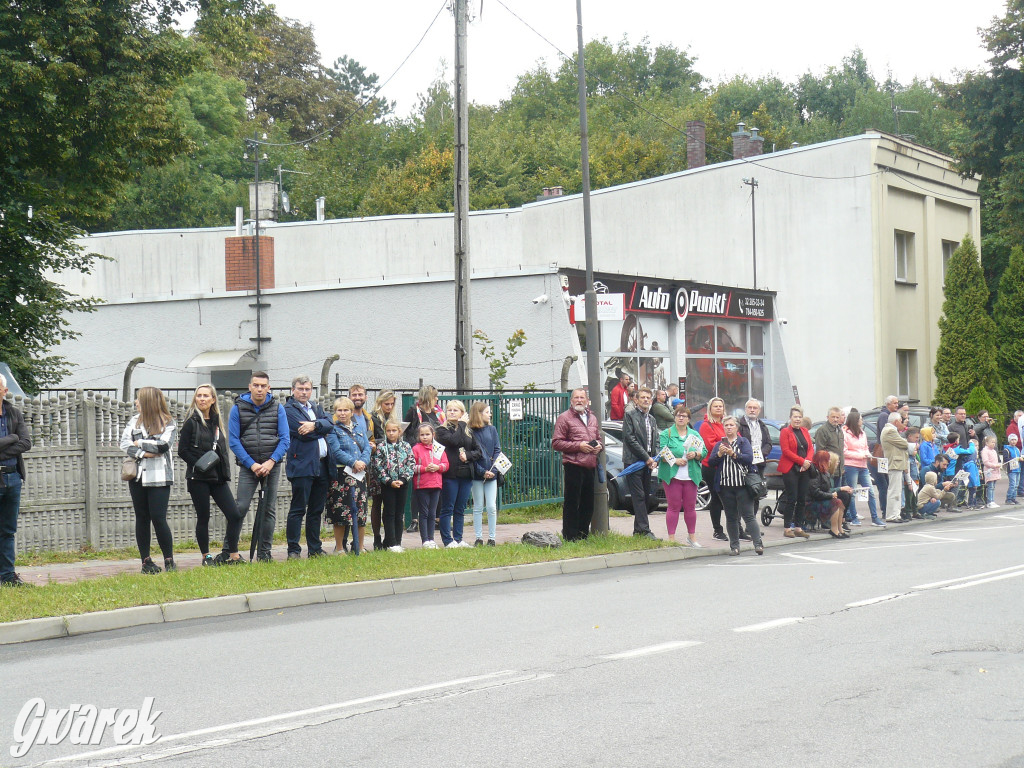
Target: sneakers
{"points": [[878, 523], [720, 535], [294, 555], [992, 505], [855, 522], [396, 549], [148, 566], [465, 545], [429, 545], [453, 545], [490, 543], [478, 543], [318, 553], [14, 580], [208, 560], [224, 558], [169, 565]]}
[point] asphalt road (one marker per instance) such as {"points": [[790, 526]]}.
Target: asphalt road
{"points": [[904, 648]]}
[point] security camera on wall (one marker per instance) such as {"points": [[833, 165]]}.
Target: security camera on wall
{"points": [[783, 321], [542, 299]]}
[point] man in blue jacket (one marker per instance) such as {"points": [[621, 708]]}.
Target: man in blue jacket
{"points": [[307, 469], [258, 436]]}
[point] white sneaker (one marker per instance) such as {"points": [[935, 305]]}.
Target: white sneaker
{"points": [[993, 505], [452, 545], [396, 549], [465, 544], [695, 545], [429, 545]]}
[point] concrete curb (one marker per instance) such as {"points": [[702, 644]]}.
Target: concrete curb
{"points": [[53, 627]]}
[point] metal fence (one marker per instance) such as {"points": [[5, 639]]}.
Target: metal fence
{"points": [[536, 474]]}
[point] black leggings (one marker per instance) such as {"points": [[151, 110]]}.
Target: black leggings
{"points": [[794, 497], [201, 493], [715, 504], [394, 514], [150, 503]]}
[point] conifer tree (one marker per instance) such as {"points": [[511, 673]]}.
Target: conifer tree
{"points": [[1008, 314], [967, 335]]}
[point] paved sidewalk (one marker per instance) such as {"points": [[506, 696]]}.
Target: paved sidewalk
{"points": [[91, 569]]}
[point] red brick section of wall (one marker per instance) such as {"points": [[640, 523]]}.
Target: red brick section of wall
{"points": [[240, 263], [696, 150]]}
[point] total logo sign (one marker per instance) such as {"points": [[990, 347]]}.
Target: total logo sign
{"points": [[692, 300]]}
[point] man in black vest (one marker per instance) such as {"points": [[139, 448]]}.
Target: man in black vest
{"points": [[258, 436]]}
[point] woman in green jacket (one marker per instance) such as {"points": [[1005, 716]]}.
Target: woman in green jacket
{"points": [[682, 450]]}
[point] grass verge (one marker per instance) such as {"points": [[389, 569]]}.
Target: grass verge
{"points": [[128, 590]]}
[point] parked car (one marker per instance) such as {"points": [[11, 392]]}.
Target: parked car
{"points": [[619, 496]]}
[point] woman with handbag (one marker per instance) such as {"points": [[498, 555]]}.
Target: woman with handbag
{"points": [[486, 478], [681, 475], [203, 448], [731, 459], [797, 451], [147, 440], [827, 502]]}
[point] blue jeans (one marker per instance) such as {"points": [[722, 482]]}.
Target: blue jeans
{"points": [[930, 508], [10, 501], [859, 476], [990, 492], [1011, 491], [455, 492], [485, 494]]}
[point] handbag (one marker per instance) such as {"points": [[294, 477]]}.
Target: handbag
{"points": [[755, 485], [207, 461], [129, 469]]}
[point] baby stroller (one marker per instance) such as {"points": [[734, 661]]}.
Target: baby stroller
{"points": [[773, 479]]}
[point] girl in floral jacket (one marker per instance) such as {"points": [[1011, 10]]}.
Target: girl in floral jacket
{"points": [[392, 467]]}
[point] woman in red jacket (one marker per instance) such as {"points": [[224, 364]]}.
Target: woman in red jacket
{"points": [[797, 452], [712, 431]]}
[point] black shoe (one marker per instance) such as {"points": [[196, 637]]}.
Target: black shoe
{"points": [[13, 581], [318, 553], [720, 535], [208, 560], [414, 527], [169, 565], [645, 535], [745, 536], [148, 566], [490, 543], [734, 551], [759, 549], [263, 558], [916, 516], [224, 558], [294, 555], [478, 543], [846, 527], [898, 520]]}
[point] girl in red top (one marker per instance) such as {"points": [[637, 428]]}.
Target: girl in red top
{"points": [[797, 452], [430, 465], [712, 431]]}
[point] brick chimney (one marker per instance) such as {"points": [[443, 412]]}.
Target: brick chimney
{"points": [[240, 263], [696, 149], [755, 145], [740, 142]]}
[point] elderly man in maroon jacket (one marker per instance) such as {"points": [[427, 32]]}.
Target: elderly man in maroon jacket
{"points": [[577, 438]]}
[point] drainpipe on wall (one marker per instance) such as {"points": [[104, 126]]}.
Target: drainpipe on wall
{"points": [[126, 390]]}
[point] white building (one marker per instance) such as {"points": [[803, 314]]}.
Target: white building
{"points": [[851, 237]]}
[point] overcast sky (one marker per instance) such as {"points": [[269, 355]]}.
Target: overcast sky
{"points": [[787, 38]]}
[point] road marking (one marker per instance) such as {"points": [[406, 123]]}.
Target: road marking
{"points": [[882, 599], [934, 584], [764, 625], [986, 581], [936, 538], [327, 708], [811, 559], [979, 528], [1010, 517], [878, 546], [652, 649]]}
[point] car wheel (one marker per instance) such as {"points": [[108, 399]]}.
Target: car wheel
{"points": [[703, 496]]}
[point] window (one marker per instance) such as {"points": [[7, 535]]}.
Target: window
{"points": [[948, 247], [904, 251], [724, 358], [906, 374]]}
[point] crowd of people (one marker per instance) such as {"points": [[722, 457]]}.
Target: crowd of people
{"points": [[911, 472], [345, 468], [356, 465]]}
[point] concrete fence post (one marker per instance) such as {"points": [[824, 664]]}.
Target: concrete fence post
{"points": [[90, 467]]}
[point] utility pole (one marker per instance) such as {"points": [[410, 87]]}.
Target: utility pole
{"points": [[463, 325], [599, 522], [253, 145], [752, 183]]}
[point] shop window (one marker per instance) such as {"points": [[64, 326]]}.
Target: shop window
{"points": [[724, 359], [904, 251], [906, 374]]}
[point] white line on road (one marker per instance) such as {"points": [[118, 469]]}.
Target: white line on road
{"points": [[936, 538], [811, 559], [986, 581], [1010, 517], [652, 649], [768, 625], [934, 584], [882, 599], [433, 687]]}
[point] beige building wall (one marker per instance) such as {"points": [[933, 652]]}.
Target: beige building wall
{"points": [[923, 211]]}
